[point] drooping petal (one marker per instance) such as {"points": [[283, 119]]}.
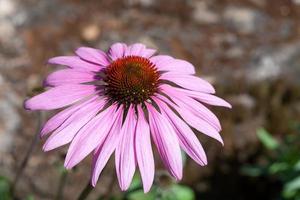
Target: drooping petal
{"points": [[68, 76], [106, 148], [188, 140], [194, 121], [117, 50], [143, 150], [55, 121], [90, 136], [58, 119], [205, 98], [125, 157], [189, 82], [166, 142], [74, 123], [194, 106], [170, 64], [93, 55], [74, 62], [200, 124], [59, 97]]}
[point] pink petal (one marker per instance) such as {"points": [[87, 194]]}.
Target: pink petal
{"points": [[74, 62], [68, 76], [161, 61], [205, 98], [90, 136], [189, 82], [59, 97], [120, 50], [194, 106], [188, 140], [200, 124], [117, 50], [135, 50], [74, 124], [166, 142], [93, 55], [194, 121], [105, 149], [58, 119], [147, 53], [168, 63], [143, 150], [125, 158]]}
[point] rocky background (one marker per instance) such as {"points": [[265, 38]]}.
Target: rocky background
{"points": [[249, 49]]}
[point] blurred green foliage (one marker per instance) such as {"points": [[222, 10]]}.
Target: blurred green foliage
{"points": [[30, 197], [174, 192], [281, 161], [171, 191], [4, 189]]}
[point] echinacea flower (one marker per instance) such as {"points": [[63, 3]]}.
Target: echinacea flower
{"points": [[120, 99]]}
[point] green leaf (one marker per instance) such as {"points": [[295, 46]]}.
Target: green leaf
{"points": [[278, 167], [135, 191], [267, 139], [30, 197], [140, 195], [252, 171], [290, 188], [136, 182], [297, 166], [4, 189], [181, 192]]}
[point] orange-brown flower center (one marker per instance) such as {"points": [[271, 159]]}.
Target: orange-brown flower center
{"points": [[131, 79]]}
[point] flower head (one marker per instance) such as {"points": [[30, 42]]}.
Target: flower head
{"points": [[117, 101]]}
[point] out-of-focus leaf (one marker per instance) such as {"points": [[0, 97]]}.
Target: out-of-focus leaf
{"points": [[135, 191], [291, 187], [297, 166], [283, 165], [30, 197], [175, 192], [181, 192], [140, 195], [4, 189], [113, 198], [61, 168], [266, 139], [253, 171], [136, 182], [278, 167]]}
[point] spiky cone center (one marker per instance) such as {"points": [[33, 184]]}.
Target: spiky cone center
{"points": [[131, 80]]}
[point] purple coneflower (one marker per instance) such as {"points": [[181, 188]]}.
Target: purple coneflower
{"points": [[121, 99]]}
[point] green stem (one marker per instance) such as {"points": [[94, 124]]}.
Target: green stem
{"points": [[108, 193], [130, 191], [61, 185], [85, 192], [24, 163]]}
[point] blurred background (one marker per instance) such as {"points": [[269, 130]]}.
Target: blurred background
{"points": [[248, 49]]}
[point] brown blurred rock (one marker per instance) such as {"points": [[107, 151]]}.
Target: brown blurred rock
{"points": [[244, 20], [9, 117], [203, 15]]}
